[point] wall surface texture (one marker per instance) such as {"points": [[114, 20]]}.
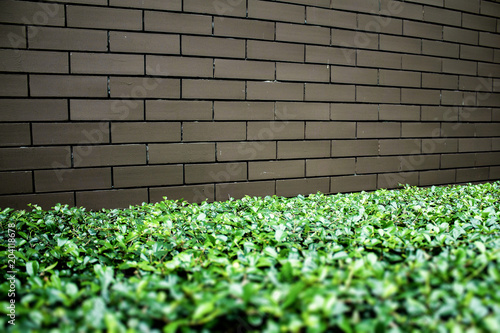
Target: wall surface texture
{"points": [[107, 103]]}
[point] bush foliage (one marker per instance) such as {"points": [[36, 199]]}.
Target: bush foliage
{"points": [[409, 260]]}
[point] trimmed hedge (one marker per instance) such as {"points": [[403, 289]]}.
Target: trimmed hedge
{"points": [[409, 260]]}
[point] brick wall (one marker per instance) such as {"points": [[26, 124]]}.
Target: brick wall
{"points": [[106, 103]]}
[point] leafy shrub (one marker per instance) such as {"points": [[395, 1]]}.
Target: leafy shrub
{"points": [[411, 260]]}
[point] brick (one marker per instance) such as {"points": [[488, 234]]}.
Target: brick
{"points": [[474, 114], [355, 39], [230, 27], [45, 201], [457, 130], [34, 158], [15, 135], [378, 94], [105, 18], [438, 48], [293, 187], [354, 112], [303, 149], [246, 151], [330, 130], [395, 180], [330, 55], [474, 145], [377, 59], [274, 11], [275, 130], [439, 113], [33, 61], [464, 5], [403, 10], [213, 89], [143, 87], [496, 115], [422, 63], [329, 92], [487, 159], [86, 2], [457, 98], [484, 69], [342, 74], [12, 36], [331, 18], [487, 129], [400, 147], [106, 110], [70, 133], [138, 132], [240, 190], [460, 35], [419, 162], [377, 164], [179, 66], [489, 39], [330, 167], [213, 131], [478, 22], [421, 29], [120, 41], [275, 91], [96, 200], [33, 110], [68, 86], [178, 110], [72, 179], [353, 183], [302, 72], [420, 96], [319, 3], [275, 51], [462, 160], [437, 177], [149, 4], [13, 85], [355, 148], [378, 130], [442, 16], [192, 193], [459, 67], [476, 53], [472, 175], [399, 112], [302, 33], [399, 78], [150, 175], [400, 44], [368, 6], [437, 145], [420, 130], [16, 182], [476, 83], [276, 169], [439, 81], [215, 172], [244, 69], [177, 23], [181, 153], [68, 39], [389, 25], [234, 8], [24, 12], [94, 156], [494, 173], [243, 110], [302, 111], [490, 8], [213, 46]]}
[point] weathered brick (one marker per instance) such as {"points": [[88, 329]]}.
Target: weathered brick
{"points": [[230, 27], [474, 114], [437, 145], [134, 42], [476, 53], [442, 16], [68, 86], [138, 132], [478, 22], [97, 200], [341, 148], [400, 44], [399, 112], [355, 39], [457, 130], [239, 190], [421, 63], [439, 113], [45, 201], [302, 33], [13, 85], [472, 175], [487, 159], [354, 112], [246, 151], [377, 164], [495, 173], [274, 11], [329, 92], [490, 8], [213, 89], [303, 149], [302, 72], [474, 144], [275, 51], [25, 12], [302, 111], [402, 9], [489, 39], [378, 94], [276, 169], [72, 179], [215, 172], [178, 110], [179, 66], [330, 167], [275, 130], [438, 48], [330, 130], [33, 110], [29, 158], [378, 130], [70, 133], [181, 153], [15, 135], [109, 155], [420, 130], [368, 6], [105, 18], [377, 59], [356, 75], [475, 83], [437, 177], [12, 36], [68, 39], [177, 22], [151, 175], [460, 35], [487, 129], [380, 24], [233, 8], [16, 182], [353, 183], [399, 78], [464, 5], [213, 131], [244, 69], [275, 91], [459, 66], [486, 69], [419, 162], [439, 81], [293, 187], [400, 147], [149, 4], [106, 110], [332, 18], [330, 55], [191, 193], [143, 87], [462, 160], [420, 96], [243, 110], [215, 47], [422, 29]]}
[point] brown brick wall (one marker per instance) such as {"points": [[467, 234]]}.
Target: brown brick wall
{"points": [[107, 103]]}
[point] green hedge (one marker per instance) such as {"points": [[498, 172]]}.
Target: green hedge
{"points": [[410, 260]]}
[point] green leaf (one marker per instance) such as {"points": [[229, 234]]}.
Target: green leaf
{"points": [[32, 268]]}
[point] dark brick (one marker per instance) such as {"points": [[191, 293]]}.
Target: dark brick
{"points": [[72, 179], [96, 200], [181, 153], [239, 190], [213, 131], [16, 182], [215, 172], [293, 187], [276, 169], [138, 132], [151, 175], [70, 133], [192, 193], [34, 158], [330, 167], [353, 183]]}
